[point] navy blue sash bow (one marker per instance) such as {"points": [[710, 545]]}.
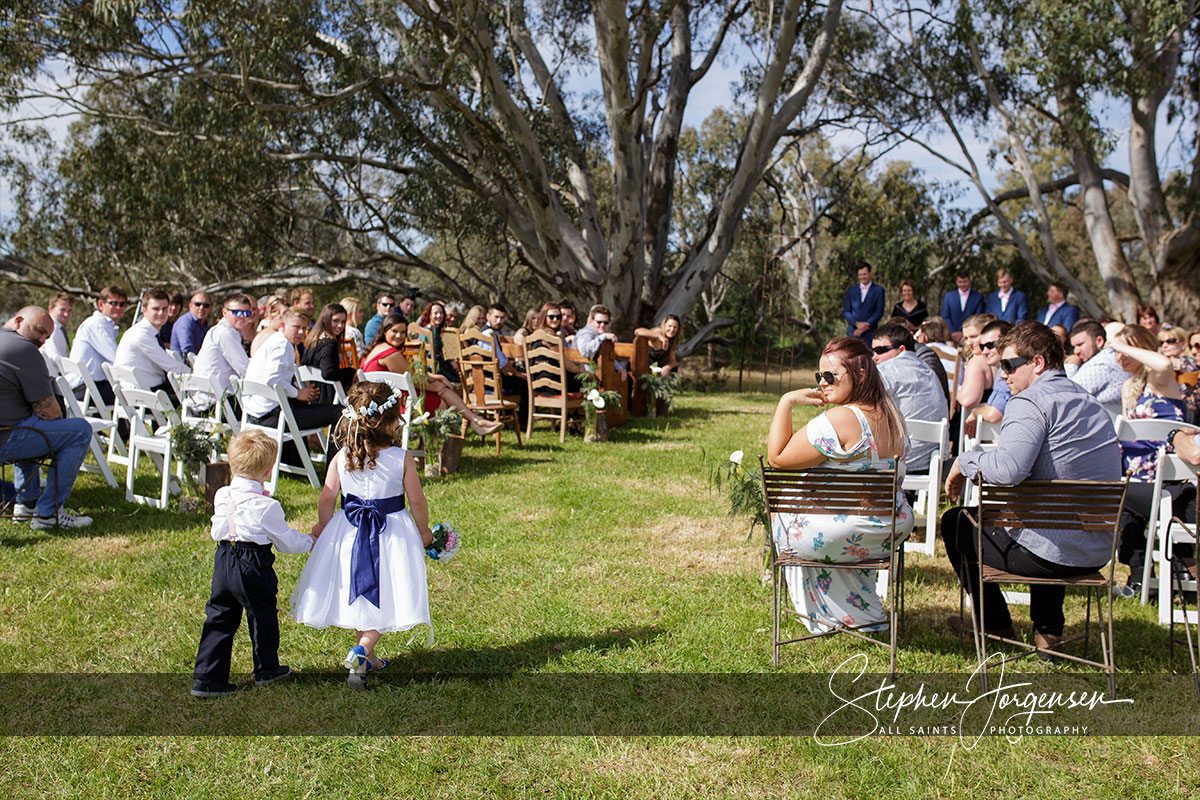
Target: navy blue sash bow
{"points": [[370, 517]]}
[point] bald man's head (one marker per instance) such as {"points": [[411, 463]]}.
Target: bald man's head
{"points": [[33, 323]]}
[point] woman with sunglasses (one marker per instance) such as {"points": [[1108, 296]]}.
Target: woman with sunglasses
{"points": [[1171, 343], [859, 429], [978, 376]]}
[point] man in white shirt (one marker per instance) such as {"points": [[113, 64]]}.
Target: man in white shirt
{"points": [[274, 364], [60, 312], [96, 339], [1094, 365], [141, 351], [223, 354]]}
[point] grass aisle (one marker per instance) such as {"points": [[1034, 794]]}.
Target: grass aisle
{"points": [[578, 560]]}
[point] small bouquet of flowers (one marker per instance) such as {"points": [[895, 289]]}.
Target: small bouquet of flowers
{"points": [[446, 542]]}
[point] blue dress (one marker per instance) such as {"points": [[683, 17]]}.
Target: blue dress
{"points": [[831, 595], [1141, 456]]}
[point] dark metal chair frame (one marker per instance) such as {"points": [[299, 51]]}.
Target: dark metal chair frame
{"points": [[828, 492], [8, 507], [1180, 566], [1051, 505]]}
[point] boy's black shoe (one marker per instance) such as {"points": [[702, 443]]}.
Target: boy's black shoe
{"points": [[277, 674], [212, 689]]}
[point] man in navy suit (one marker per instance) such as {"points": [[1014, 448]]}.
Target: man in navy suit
{"points": [[864, 305], [1059, 312], [960, 304], [1007, 303]]}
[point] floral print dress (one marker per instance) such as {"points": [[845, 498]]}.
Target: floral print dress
{"points": [[1141, 456], [831, 595]]}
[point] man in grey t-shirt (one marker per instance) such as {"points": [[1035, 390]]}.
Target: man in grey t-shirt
{"points": [[27, 400]]}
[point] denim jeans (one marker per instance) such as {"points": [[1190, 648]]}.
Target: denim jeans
{"points": [[68, 437]]}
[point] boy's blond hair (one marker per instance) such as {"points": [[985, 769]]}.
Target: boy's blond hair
{"points": [[251, 454]]}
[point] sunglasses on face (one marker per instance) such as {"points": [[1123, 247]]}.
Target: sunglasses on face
{"points": [[826, 376], [387, 305], [987, 345], [601, 322], [1011, 365], [1170, 341], [880, 349], [554, 316], [240, 312], [202, 304], [1195, 345], [117, 303]]}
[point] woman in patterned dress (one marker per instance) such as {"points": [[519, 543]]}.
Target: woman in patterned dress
{"points": [[859, 429]]}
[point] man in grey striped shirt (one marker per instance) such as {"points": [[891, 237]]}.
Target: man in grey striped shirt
{"points": [[1053, 429]]}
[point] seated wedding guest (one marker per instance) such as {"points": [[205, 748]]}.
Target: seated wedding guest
{"points": [[664, 341], [302, 300], [434, 319], [550, 319], [1148, 319], [56, 346], [188, 332], [96, 339], [323, 350], [527, 327], [567, 309], [26, 400], [960, 304], [270, 324], [474, 318], [178, 301], [452, 314], [977, 377], [1007, 303], [511, 380], [384, 354], [925, 353], [1173, 345], [405, 307], [274, 364], [140, 351], [910, 307], [1093, 364], [1150, 392], [860, 429], [223, 354], [997, 401], [916, 389], [1062, 333], [1053, 429], [353, 320]]}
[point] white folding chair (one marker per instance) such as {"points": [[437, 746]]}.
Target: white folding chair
{"points": [[285, 430], [92, 404], [1170, 468], [150, 432], [402, 381], [313, 375], [100, 425], [927, 485], [195, 391], [118, 450]]}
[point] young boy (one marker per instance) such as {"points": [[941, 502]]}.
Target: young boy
{"points": [[245, 524]]}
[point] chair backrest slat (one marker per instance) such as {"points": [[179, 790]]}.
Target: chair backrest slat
{"points": [[1053, 505], [829, 492]]}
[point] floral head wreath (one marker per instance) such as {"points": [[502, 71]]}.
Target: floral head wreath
{"points": [[374, 407]]}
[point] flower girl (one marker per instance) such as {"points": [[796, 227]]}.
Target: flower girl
{"points": [[367, 568]]}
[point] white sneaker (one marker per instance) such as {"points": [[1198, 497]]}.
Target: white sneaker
{"points": [[64, 519], [23, 513]]}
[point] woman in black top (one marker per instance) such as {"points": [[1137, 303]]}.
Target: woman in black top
{"points": [[910, 307], [323, 350]]}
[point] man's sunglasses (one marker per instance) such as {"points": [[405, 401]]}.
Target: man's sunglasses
{"points": [[387, 305], [880, 349], [1011, 365], [117, 303], [601, 322], [240, 312], [202, 304], [988, 345], [826, 376]]}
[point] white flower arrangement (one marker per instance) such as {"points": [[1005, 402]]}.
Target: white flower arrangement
{"points": [[736, 457], [596, 399], [656, 369]]}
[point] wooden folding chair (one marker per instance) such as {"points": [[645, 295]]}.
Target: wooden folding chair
{"points": [[1089, 506], [830, 493], [545, 365], [483, 390]]}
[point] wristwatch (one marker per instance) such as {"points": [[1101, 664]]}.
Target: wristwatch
{"points": [[1171, 436]]}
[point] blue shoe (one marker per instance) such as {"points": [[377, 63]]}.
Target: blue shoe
{"points": [[356, 660]]}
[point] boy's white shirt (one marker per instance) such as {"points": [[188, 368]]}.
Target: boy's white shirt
{"points": [[257, 518]]}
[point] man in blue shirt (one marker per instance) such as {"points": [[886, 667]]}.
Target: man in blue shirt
{"points": [[187, 334], [1053, 429], [959, 304], [511, 381], [383, 307], [863, 307]]}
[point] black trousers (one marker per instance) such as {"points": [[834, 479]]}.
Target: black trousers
{"points": [[243, 578], [516, 384], [1002, 552], [1138, 499], [308, 415]]}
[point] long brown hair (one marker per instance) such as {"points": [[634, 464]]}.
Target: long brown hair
{"points": [[540, 325], [363, 437], [425, 321], [867, 389], [1141, 338], [324, 325]]}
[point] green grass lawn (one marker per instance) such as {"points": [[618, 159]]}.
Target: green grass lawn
{"points": [[581, 564]]}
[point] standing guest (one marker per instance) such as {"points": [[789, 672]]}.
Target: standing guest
{"points": [[323, 350], [383, 307], [385, 354], [567, 308], [56, 345], [664, 341], [140, 351], [912, 309], [863, 306], [860, 429], [275, 365], [1058, 311], [271, 323], [1007, 303], [353, 319], [27, 400], [997, 399], [1148, 319], [173, 311], [1094, 365], [1053, 429], [913, 385], [223, 354], [245, 524], [96, 339], [302, 300], [188, 332], [1171, 344], [511, 381], [961, 304]]}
